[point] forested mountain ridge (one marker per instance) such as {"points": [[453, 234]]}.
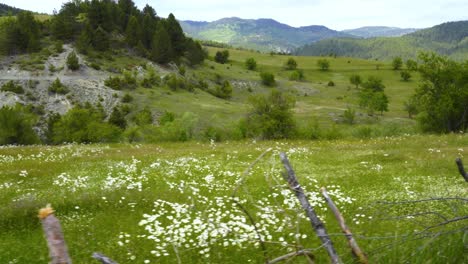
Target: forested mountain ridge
{"points": [[450, 39], [259, 34], [379, 31]]}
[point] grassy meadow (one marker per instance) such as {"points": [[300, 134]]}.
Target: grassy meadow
{"points": [[174, 203], [315, 100]]}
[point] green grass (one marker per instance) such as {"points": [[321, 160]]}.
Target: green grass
{"points": [[95, 192], [314, 99]]}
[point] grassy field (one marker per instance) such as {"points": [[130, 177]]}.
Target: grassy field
{"points": [[172, 202], [315, 100]]}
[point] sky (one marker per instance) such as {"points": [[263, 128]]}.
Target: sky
{"points": [[335, 14]]}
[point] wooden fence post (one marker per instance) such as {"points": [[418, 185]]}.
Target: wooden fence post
{"points": [[53, 232], [339, 217], [318, 226]]}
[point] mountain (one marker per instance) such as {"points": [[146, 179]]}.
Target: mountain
{"points": [[6, 10], [259, 34], [450, 39], [376, 31]]}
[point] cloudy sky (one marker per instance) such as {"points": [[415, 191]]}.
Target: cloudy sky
{"points": [[335, 14]]}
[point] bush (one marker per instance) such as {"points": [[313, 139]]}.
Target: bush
{"points": [[58, 87], [297, 75], [17, 126], [330, 83], [349, 116], [117, 118], [95, 66], [144, 117], [405, 75], [72, 61], [323, 64], [84, 125], [291, 64], [268, 79], [397, 63], [127, 98], [182, 70], [271, 116], [128, 82], [251, 64], [223, 91], [12, 87], [222, 56], [58, 46]]}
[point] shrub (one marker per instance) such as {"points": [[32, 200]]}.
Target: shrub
{"points": [[223, 91], [84, 125], [251, 64], [222, 56], [144, 117], [291, 64], [117, 118], [349, 116], [12, 87], [182, 70], [323, 64], [405, 75], [268, 79], [58, 87], [58, 46], [128, 81], [331, 83], [297, 75], [127, 98], [17, 126], [271, 116], [95, 66], [397, 63], [72, 61]]}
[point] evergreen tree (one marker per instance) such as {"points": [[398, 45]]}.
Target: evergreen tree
{"points": [[161, 51], [100, 39], [195, 53], [132, 32], [117, 118], [176, 35], [147, 30], [72, 61], [84, 42]]}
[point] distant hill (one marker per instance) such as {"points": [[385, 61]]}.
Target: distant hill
{"points": [[6, 10], [259, 34], [376, 31], [450, 39]]}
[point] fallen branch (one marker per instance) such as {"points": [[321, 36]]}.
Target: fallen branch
{"points": [[318, 226], [103, 259], [461, 169], [304, 252], [339, 217], [58, 251]]}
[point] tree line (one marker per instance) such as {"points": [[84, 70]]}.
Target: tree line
{"points": [[99, 25]]}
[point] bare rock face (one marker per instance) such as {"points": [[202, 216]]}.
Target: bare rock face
{"points": [[84, 85]]}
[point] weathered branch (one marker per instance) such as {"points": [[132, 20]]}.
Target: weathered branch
{"points": [[304, 252], [461, 169], [103, 259], [318, 226], [58, 251], [339, 217]]}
